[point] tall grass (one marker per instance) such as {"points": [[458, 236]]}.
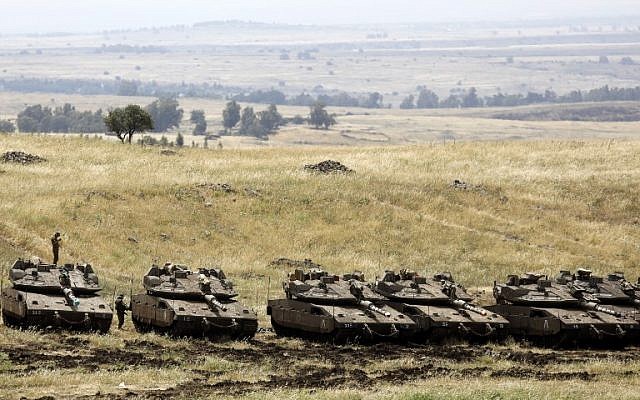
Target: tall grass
{"points": [[537, 206]]}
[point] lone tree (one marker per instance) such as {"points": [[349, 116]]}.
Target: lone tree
{"points": [[165, 114], [125, 122], [319, 117], [231, 115], [198, 119]]}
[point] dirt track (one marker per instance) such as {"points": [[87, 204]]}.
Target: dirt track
{"points": [[317, 366]]}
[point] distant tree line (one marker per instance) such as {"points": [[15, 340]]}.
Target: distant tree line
{"points": [[63, 119], [422, 98], [342, 99], [261, 124], [164, 114], [117, 86], [461, 98]]}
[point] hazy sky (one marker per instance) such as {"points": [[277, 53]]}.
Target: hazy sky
{"points": [[18, 16]]}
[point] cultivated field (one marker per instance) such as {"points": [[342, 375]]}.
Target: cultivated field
{"points": [[530, 206]]}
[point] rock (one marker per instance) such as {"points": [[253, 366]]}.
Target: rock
{"points": [[164, 236], [132, 239], [21, 157], [167, 152], [288, 263], [327, 167], [217, 187]]}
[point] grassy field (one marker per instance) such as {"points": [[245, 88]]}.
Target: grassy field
{"points": [[531, 206]]}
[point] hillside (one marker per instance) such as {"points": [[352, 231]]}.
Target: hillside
{"points": [[527, 206]]}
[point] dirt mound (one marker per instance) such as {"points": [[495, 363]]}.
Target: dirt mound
{"points": [[21, 157], [327, 167], [288, 263]]}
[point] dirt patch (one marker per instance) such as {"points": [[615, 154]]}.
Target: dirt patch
{"points": [[328, 167], [540, 375], [21, 157], [309, 367]]}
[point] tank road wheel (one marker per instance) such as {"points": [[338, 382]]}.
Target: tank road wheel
{"points": [[141, 327], [279, 329], [102, 326]]}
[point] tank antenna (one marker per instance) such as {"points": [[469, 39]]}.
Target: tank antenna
{"points": [[268, 287]]}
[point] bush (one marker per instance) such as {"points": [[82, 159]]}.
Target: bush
{"points": [[7, 126]]}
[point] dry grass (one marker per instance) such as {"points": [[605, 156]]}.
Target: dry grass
{"points": [[537, 206]]}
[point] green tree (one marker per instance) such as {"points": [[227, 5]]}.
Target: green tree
{"points": [[231, 115], [319, 117], [198, 118], [179, 140], [125, 122], [471, 99], [165, 114], [7, 126], [373, 101], [408, 102], [250, 124], [270, 119], [427, 99]]}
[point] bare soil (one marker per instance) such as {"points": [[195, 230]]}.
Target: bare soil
{"points": [[314, 366]]}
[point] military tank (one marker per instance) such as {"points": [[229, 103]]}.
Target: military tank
{"points": [[327, 307], [46, 295], [559, 313], [615, 291], [181, 302], [440, 307]]}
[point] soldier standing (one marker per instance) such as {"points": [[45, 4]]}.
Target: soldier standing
{"points": [[121, 310], [55, 246]]}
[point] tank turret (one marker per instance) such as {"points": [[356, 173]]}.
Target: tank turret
{"points": [[568, 309], [329, 307], [183, 302], [440, 307], [44, 295]]}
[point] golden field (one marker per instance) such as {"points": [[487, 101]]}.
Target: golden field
{"points": [[530, 206]]}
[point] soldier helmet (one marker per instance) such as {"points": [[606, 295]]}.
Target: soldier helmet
{"points": [[120, 296]]}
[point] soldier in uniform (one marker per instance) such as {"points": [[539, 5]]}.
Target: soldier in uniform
{"points": [[121, 310], [55, 246]]}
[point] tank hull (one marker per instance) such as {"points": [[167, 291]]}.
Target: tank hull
{"points": [[192, 318], [568, 327], [22, 309], [441, 322], [339, 323]]}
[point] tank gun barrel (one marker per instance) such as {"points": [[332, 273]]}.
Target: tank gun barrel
{"points": [[71, 298], [213, 302], [597, 307], [469, 307], [373, 308]]}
